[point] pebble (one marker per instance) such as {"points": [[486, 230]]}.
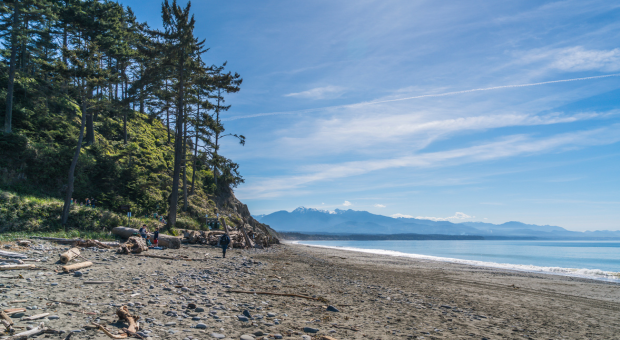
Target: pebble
{"points": [[332, 309], [247, 313], [53, 317], [271, 315], [170, 323], [201, 326], [311, 330], [243, 318], [199, 310], [305, 337], [218, 335], [77, 274], [277, 336], [246, 337]]}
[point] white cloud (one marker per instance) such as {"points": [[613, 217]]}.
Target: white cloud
{"points": [[510, 146], [347, 204], [401, 216], [319, 93], [417, 130], [379, 206], [575, 59], [457, 216]]}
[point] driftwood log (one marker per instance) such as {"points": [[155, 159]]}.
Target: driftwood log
{"points": [[12, 254], [18, 266], [167, 241], [6, 321], [76, 266], [69, 255], [134, 245], [131, 320], [11, 311], [18, 261], [95, 243]]}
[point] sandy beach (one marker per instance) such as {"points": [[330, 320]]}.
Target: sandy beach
{"points": [[352, 295]]}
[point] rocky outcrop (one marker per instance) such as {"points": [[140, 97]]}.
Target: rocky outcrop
{"points": [[258, 232]]}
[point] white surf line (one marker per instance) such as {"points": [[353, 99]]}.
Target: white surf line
{"points": [[418, 97], [592, 274]]}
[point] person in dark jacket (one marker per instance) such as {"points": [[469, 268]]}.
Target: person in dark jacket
{"points": [[224, 242]]}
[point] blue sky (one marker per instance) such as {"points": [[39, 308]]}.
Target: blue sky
{"points": [[321, 106]]}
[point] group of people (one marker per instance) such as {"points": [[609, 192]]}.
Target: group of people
{"points": [[88, 202], [144, 234]]}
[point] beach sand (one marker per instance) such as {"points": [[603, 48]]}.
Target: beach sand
{"points": [[377, 297]]}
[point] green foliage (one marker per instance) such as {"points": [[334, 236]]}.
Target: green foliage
{"points": [[32, 215]]}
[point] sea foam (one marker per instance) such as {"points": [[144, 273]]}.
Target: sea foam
{"points": [[595, 274]]}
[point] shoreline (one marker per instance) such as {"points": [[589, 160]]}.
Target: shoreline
{"points": [[583, 273]]}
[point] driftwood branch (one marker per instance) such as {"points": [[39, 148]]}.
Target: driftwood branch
{"points": [[24, 335], [107, 332], [35, 317]]}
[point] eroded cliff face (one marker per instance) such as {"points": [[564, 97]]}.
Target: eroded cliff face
{"points": [[239, 215]]}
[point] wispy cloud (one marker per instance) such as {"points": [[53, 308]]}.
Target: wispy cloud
{"points": [[577, 58], [319, 92], [457, 216], [379, 206], [347, 204], [510, 146]]}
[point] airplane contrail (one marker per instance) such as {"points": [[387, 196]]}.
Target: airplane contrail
{"points": [[418, 97]]}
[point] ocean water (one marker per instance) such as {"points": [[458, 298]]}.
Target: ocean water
{"points": [[598, 260]]}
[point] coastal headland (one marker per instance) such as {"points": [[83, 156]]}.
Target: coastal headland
{"points": [[335, 293]]}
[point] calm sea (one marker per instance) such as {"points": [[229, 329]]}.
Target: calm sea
{"points": [[589, 259]]}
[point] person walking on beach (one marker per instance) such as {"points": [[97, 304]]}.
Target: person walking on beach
{"points": [[224, 242]]}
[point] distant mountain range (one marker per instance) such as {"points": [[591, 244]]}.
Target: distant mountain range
{"points": [[314, 221]]}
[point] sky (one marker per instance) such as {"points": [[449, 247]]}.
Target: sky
{"points": [[368, 105]]}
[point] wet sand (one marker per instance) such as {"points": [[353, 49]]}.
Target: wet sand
{"points": [[377, 297]]}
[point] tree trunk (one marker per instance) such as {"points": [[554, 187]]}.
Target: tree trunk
{"points": [[9, 96], [185, 167], [90, 130], [65, 210], [178, 149], [194, 162], [167, 113], [217, 137], [124, 126]]}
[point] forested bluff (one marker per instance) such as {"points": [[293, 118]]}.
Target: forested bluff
{"points": [[100, 105]]}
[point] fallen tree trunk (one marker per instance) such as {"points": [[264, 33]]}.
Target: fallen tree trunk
{"points": [[69, 255], [18, 266], [57, 239], [167, 241], [76, 266]]}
